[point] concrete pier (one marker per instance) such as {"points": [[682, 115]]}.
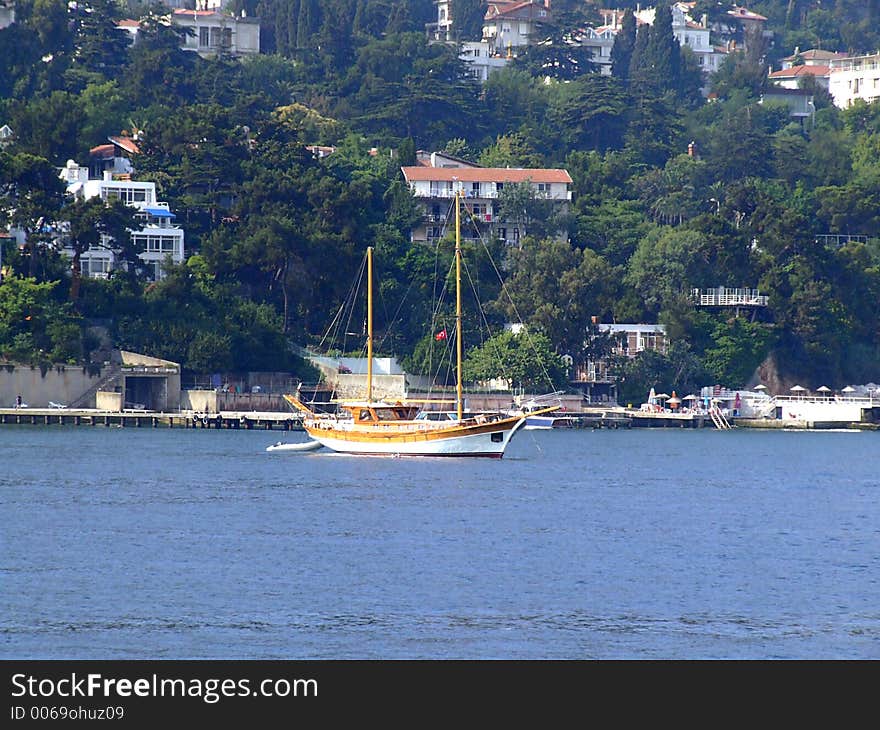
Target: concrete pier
{"points": [[262, 420]]}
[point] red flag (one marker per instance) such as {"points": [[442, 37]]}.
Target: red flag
{"points": [[441, 335]]}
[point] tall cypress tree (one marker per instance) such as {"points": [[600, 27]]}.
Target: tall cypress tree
{"points": [[292, 25], [624, 45], [663, 51], [307, 23], [639, 65]]}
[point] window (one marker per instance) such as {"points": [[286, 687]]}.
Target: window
{"points": [[126, 194], [499, 186], [156, 244], [203, 37]]}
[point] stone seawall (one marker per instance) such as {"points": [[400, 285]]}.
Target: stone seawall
{"points": [[37, 387]]}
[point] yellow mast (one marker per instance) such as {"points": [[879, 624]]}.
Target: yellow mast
{"points": [[458, 340], [369, 324]]}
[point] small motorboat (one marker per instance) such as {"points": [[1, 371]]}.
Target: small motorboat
{"points": [[298, 446]]}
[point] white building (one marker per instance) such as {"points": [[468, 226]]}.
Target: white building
{"points": [[435, 188], [690, 33], [441, 28], [215, 32], [482, 59], [855, 77], [600, 40], [510, 25], [159, 236]]}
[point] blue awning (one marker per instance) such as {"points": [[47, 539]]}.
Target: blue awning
{"points": [[160, 212]]}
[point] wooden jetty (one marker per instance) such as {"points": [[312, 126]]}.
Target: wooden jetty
{"points": [[263, 420], [667, 419]]}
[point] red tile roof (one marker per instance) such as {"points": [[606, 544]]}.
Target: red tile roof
{"points": [[126, 143], [501, 9], [485, 174], [798, 71], [815, 54], [104, 151], [744, 13]]}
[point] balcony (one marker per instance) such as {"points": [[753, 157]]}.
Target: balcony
{"points": [[723, 297]]}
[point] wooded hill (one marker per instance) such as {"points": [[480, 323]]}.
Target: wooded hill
{"points": [[275, 237]]}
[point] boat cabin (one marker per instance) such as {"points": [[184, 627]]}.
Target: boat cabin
{"points": [[376, 412]]}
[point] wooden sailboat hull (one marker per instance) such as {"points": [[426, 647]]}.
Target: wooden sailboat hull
{"points": [[486, 440]]}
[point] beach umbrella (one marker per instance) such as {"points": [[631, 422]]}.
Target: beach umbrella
{"points": [[651, 396], [661, 395], [848, 389], [674, 401], [823, 389], [761, 387], [797, 389], [690, 397]]}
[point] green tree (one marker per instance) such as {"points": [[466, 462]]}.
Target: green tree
{"points": [[467, 19], [594, 116], [95, 224], [739, 347], [31, 196], [34, 327], [526, 360], [624, 45]]}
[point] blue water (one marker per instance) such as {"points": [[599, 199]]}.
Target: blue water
{"points": [[638, 544]]}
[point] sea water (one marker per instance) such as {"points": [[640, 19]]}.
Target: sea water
{"points": [[122, 543]]}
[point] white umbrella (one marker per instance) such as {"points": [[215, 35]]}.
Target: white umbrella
{"points": [[848, 389], [690, 397], [797, 389], [823, 389], [761, 387], [662, 395]]}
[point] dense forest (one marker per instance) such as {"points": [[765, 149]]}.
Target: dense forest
{"points": [[275, 237]]}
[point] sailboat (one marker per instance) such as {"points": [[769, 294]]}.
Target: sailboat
{"points": [[371, 427]]}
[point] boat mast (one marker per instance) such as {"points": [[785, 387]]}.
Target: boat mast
{"points": [[458, 340], [369, 324]]}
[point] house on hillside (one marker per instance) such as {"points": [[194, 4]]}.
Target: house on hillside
{"points": [[799, 101], [693, 33], [114, 157], [855, 77], [481, 59], [689, 32], [435, 188], [507, 26], [441, 28], [812, 57], [739, 27], [215, 32], [594, 377], [793, 76], [159, 236], [510, 25]]}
